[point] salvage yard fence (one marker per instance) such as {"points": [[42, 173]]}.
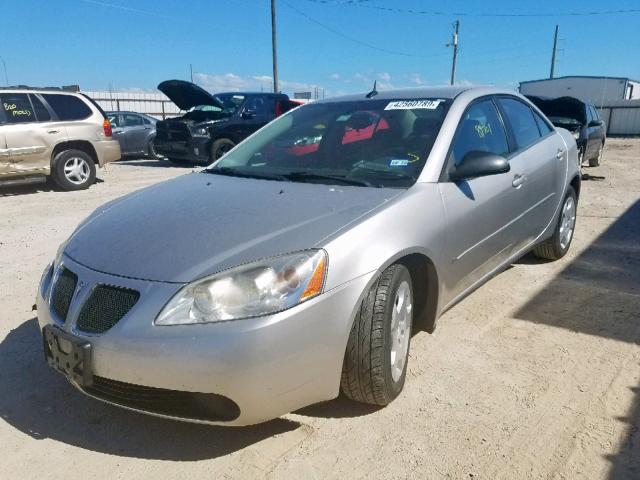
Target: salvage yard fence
{"points": [[622, 117], [153, 104]]}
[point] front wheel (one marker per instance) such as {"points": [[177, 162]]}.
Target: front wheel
{"points": [[73, 170], [375, 362], [558, 245], [220, 147], [595, 161]]}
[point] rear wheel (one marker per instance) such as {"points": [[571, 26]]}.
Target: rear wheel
{"points": [[151, 150], [375, 362], [595, 161], [220, 147], [73, 170], [558, 245]]}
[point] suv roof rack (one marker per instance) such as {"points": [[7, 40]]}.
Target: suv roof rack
{"points": [[63, 88]]}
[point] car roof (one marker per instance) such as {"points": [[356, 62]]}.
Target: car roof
{"points": [[39, 90], [446, 92]]}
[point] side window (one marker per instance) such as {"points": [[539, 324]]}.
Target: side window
{"points": [[67, 107], [589, 114], [132, 120], [17, 108], [594, 113], [542, 125], [114, 120], [42, 114], [257, 105], [480, 130], [146, 121], [521, 120]]}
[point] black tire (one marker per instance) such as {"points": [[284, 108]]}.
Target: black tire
{"points": [[554, 248], [367, 370], [151, 151], [65, 174], [220, 147], [595, 161]]}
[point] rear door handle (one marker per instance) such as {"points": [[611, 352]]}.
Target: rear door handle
{"points": [[518, 180], [560, 154]]}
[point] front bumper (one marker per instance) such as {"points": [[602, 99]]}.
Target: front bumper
{"points": [[195, 149], [107, 151], [268, 365]]}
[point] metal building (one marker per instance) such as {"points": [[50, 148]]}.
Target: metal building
{"points": [[595, 90]]}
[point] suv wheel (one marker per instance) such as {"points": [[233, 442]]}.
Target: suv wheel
{"points": [[220, 147], [375, 362], [73, 170]]}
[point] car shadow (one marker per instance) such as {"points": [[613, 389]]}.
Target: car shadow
{"points": [[340, 407], [42, 404], [31, 188], [150, 162], [598, 293]]}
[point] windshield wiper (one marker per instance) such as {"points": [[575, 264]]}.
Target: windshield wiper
{"points": [[301, 176], [379, 172], [233, 172]]}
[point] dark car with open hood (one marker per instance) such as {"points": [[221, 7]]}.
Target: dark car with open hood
{"points": [[213, 124], [581, 119]]}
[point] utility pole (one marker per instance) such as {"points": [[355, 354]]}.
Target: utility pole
{"points": [[454, 44], [553, 53], [276, 89], [191, 71]]}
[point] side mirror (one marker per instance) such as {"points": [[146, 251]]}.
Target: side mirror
{"points": [[595, 123], [479, 164], [248, 114]]}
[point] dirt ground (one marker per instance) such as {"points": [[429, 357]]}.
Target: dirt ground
{"points": [[535, 375]]}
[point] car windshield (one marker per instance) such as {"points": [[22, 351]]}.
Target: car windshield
{"points": [[377, 143], [230, 102]]}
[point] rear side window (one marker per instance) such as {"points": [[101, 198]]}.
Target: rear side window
{"points": [[523, 124], [480, 130], [42, 114], [132, 120], [594, 113], [17, 108], [146, 121], [542, 125], [68, 107]]}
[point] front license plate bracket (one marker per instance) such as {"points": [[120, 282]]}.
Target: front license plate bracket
{"points": [[68, 354]]}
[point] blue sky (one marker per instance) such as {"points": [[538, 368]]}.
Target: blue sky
{"points": [[338, 45]]}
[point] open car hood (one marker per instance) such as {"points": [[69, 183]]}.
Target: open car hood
{"points": [[187, 95], [567, 107]]}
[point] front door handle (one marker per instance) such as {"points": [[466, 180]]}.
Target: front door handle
{"points": [[52, 132], [560, 154], [518, 180]]}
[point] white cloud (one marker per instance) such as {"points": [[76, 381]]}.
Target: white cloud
{"points": [[416, 79], [230, 82], [334, 76], [384, 76]]}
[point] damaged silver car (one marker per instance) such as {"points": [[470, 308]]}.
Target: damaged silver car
{"points": [[299, 264]]}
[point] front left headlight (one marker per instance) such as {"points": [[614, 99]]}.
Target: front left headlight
{"points": [[576, 134], [200, 132], [259, 288]]}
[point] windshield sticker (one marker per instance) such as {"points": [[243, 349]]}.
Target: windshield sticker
{"points": [[396, 162], [413, 104]]}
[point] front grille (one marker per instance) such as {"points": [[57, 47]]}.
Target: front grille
{"points": [[63, 293], [174, 403], [105, 307], [172, 130]]}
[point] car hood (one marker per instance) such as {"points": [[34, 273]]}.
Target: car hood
{"points": [[202, 223], [187, 95], [567, 107]]}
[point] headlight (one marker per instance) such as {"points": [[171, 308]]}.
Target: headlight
{"points": [[200, 132], [59, 253], [259, 288], [576, 135]]}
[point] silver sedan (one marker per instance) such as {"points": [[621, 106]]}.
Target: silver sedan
{"points": [[299, 264]]}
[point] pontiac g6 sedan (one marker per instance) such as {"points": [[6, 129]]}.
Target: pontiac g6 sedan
{"points": [[299, 263]]}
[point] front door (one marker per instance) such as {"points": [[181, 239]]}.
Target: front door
{"points": [[481, 212]]}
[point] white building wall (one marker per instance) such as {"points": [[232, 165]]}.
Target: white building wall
{"points": [[592, 90], [153, 104]]}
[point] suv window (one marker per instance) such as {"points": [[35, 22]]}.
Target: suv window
{"points": [[67, 107], [42, 114], [132, 120], [542, 125], [480, 130], [521, 120], [17, 107]]}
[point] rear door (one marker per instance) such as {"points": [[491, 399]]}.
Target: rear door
{"points": [[480, 211], [540, 158], [30, 132], [135, 133]]}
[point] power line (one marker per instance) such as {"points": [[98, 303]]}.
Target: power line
{"points": [[351, 39], [470, 14]]}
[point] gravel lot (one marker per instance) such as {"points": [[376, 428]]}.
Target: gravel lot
{"points": [[535, 375]]}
